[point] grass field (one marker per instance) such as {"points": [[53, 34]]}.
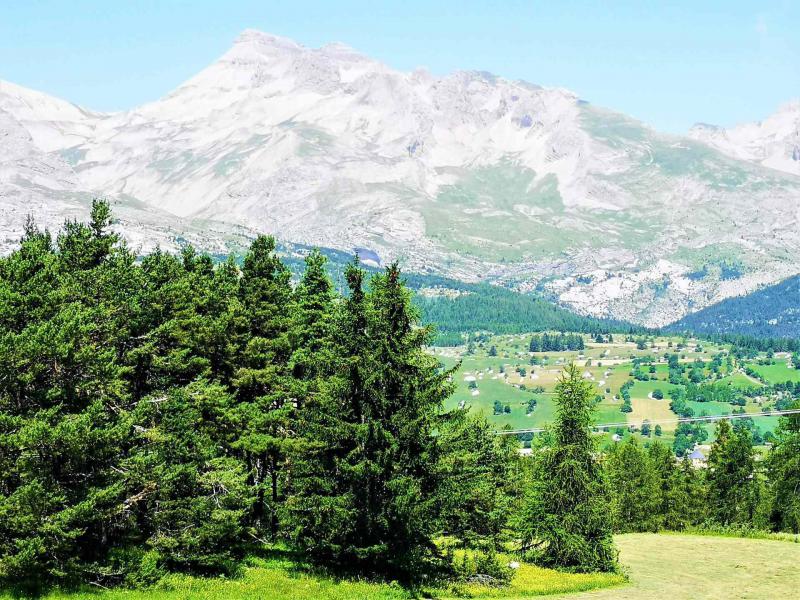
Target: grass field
{"points": [[678, 567], [279, 578], [689, 567], [780, 372]]}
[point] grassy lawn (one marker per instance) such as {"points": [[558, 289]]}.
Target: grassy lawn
{"points": [[281, 579], [689, 567], [675, 566], [777, 373]]}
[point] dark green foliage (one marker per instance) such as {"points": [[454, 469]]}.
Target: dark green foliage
{"points": [[263, 382], [366, 490], [783, 468], [770, 312], [482, 481], [163, 413], [731, 468], [492, 308], [143, 405], [635, 488], [681, 494], [183, 488], [556, 342], [566, 521], [62, 402]]}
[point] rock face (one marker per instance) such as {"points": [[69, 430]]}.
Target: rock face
{"points": [[468, 175], [773, 142]]}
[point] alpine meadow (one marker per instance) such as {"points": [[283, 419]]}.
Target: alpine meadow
{"points": [[314, 327]]}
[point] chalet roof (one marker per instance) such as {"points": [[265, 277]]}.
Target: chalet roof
{"points": [[697, 455]]}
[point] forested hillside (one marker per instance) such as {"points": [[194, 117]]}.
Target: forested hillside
{"points": [[773, 311], [455, 307]]}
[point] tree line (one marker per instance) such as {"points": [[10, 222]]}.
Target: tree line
{"points": [[556, 342]]}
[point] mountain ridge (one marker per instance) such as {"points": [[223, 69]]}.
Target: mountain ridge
{"points": [[469, 175]]}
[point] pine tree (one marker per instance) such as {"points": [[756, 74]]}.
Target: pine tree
{"points": [[263, 384], [367, 492], [566, 521], [783, 470], [730, 475], [636, 492], [184, 488], [62, 405]]}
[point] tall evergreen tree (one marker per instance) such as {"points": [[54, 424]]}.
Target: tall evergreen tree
{"points": [[636, 491], [676, 506], [783, 469], [264, 389], [566, 521], [312, 321], [482, 477], [730, 475], [188, 494], [367, 493], [62, 406]]}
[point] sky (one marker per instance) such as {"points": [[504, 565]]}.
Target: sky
{"points": [[670, 66]]}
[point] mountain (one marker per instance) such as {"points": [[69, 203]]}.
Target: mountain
{"points": [[773, 311], [773, 142], [469, 176]]}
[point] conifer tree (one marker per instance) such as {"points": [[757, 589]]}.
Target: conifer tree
{"points": [[566, 521], [264, 389], [482, 479], [62, 405], [187, 492], [730, 475], [312, 321], [783, 469], [366, 494], [635, 488], [674, 502]]}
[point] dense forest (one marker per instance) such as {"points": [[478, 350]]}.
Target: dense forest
{"points": [[172, 414], [492, 308], [771, 312], [458, 309]]}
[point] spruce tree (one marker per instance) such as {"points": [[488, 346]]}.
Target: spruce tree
{"points": [[263, 384], [783, 470], [367, 487], [731, 468], [482, 478], [674, 500], [636, 492], [312, 323], [566, 522]]}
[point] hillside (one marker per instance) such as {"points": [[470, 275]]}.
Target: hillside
{"points": [[773, 311], [773, 142], [469, 176], [454, 307]]}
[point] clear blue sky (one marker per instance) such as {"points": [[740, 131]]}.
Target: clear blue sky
{"points": [[719, 62]]}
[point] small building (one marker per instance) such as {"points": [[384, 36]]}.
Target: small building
{"points": [[698, 458]]}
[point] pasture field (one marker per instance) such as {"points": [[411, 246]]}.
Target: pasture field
{"points": [[500, 369], [779, 372], [691, 567]]}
